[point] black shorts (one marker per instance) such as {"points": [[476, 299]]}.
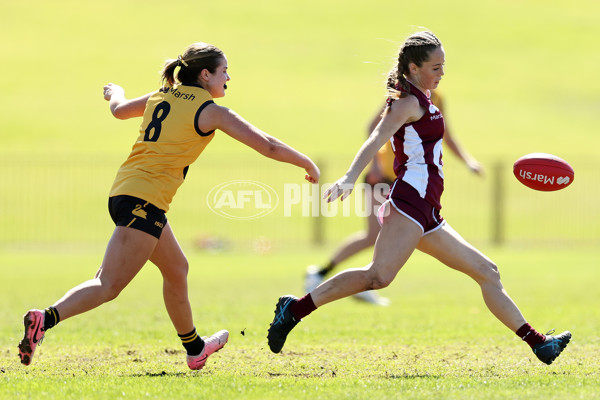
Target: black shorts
{"points": [[138, 214]]}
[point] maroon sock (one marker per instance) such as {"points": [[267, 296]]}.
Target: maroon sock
{"points": [[303, 307], [530, 335]]}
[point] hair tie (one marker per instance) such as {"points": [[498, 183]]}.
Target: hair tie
{"points": [[181, 61]]}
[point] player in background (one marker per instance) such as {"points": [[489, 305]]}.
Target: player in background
{"points": [[411, 216], [381, 171], [179, 120]]}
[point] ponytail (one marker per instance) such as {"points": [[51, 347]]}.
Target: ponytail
{"points": [[168, 72], [186, 67]]}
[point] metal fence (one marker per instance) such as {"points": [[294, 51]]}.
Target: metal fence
{"points": [[61, 201]]}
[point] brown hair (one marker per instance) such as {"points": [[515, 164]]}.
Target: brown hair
{"points": [[416, 50], [197, 57]]}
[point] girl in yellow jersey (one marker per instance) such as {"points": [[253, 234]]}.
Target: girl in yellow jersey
{"points": [[381, 171], [179, 120]]}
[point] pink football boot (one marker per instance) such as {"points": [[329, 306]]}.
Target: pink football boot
{"points": [[34, 334], [212, 344]]}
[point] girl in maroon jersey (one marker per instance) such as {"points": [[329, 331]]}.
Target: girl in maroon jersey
{"points": [[411, 216], [381, 172]]}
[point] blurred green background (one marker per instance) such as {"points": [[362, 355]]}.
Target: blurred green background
{"points": [[520, 78]]}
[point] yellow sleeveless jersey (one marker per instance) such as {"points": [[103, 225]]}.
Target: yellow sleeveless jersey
{"points": [[385, 155], [168, 143]]}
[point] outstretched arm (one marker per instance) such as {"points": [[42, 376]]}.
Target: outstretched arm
{"points": [[452, 143], [375, 173], [402, 110], [122, 108], [457, 149], [222, 118]]}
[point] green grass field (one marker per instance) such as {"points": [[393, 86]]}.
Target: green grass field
{"points": [[437, 340], [520, 78]]}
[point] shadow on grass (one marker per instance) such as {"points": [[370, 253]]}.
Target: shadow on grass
{"points": [[414, 376], [159, 374]]}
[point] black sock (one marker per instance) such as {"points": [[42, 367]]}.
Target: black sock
{"points": [[192, 342], [51, 318], [326, 269]]}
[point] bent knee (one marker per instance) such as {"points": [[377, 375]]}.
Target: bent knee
{"points": [[111, 290], [487, 271], [379, 280], [178, 271], [181, 268]]}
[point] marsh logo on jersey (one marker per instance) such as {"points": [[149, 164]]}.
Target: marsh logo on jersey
{"points": [[242, 199], [435, 112], [178, 93]]}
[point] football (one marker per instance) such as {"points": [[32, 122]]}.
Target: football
{"points": [[544, 172]]}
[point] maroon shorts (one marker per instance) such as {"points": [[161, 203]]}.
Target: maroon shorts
{"points": [[407, 201]]}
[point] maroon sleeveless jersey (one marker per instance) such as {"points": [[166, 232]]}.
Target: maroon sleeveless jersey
{"points": [[418, 151]]}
